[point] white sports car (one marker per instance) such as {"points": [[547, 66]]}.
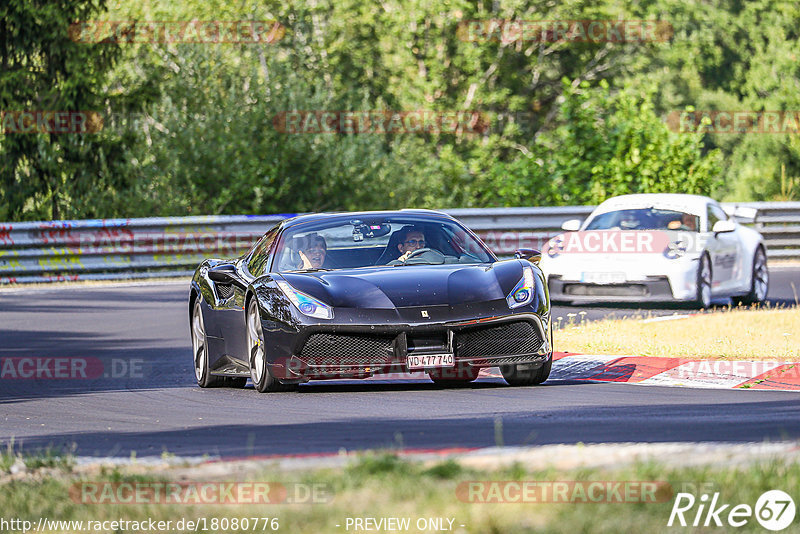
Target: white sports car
{"points": [[658, 247]]}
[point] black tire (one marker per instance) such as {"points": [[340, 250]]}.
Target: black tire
{"points": [[458, 377], [200, 349], [759, 281], [260, 374], [704, 283], [515, 376]]}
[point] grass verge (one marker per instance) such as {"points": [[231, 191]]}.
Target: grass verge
{"points": [[385, 486], [737, 334]]}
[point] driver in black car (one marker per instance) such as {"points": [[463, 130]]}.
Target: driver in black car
{"points": [[413, 240]]}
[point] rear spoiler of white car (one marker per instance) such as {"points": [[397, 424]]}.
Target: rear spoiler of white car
{"points": [[742, 212]]}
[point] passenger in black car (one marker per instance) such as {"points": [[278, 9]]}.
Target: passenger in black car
{"points": [[313, 252]]}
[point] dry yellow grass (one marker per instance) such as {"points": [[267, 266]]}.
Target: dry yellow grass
{"points": [[738, 334], [385, 486]]}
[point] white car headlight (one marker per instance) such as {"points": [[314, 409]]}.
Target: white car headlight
{"points": [[307, 304], [522, 293]]}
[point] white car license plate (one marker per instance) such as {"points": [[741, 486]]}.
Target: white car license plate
{"points": [[603, 278], [430, 360]]}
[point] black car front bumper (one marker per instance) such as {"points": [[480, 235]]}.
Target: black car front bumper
{"points": [[346, 350]]}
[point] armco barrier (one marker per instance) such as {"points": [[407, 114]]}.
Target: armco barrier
{"points": [[122, 248], [157, 247]]}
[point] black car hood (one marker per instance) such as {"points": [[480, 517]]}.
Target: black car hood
{"points": [[412, 285]]}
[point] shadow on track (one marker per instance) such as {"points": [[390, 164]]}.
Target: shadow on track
{"points": [[729, 422]]}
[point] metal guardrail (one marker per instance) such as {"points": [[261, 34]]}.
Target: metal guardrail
{"points": [[158, 247], [122, 248]]}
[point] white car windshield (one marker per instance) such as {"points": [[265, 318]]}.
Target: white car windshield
{"points": [[645, 219], [354, 243]]}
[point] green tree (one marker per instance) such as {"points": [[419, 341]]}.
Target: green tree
{"points": [[614, 143], [50, 175], [731, 55], [204, 141]]}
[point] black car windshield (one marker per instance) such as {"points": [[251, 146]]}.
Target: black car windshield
{"points": [[353, 242], [645, 219]]}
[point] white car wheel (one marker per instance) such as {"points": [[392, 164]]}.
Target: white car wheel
{"points": [[759, 280], [760, 276], [704, 279]]}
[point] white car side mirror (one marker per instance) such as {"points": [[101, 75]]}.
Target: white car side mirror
{"points": [[572, 225], [723, 226], [743, 212]]}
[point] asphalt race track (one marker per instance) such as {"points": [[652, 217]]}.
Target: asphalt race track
{"points": [[140, 393]]}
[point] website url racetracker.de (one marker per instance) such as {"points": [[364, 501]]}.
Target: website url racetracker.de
{"points": [[199, 524]]}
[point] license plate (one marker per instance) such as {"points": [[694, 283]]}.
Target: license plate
{"points": [[603, 278], [430, 360]]}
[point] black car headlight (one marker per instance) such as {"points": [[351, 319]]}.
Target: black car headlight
{"points": [[307, 304], [522, 293]]}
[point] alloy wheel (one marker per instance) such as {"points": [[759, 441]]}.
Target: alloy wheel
{"points": [[199, 343], [760, 276], [255, 343], [705, 282]]}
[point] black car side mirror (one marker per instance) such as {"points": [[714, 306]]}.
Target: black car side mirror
{"points": [[222, 274], [530, 254]]}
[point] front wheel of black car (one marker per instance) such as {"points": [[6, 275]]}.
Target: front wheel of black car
{"points": [[259, 370], [521, 375]]}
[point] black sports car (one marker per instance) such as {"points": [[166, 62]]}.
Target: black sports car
{"points": [[350, 295]]}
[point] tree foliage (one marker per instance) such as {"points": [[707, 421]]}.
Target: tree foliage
{"points": [[190, 127], [49, 175]]}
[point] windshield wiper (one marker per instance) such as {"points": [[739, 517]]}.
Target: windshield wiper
{"points": [[404, 264]]}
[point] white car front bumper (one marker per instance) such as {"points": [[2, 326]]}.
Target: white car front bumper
{"points": [[639, 278]]}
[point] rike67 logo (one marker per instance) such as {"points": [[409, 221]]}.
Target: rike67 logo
{"points": [[774, 510]]}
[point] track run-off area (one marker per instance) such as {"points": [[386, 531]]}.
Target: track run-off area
{"points": [[139, 395]]}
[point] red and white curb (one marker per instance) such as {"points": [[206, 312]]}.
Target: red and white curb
{"points": [[681, 372], [653, 371]]}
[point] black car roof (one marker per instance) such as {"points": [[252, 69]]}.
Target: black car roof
{"points": [[315, 217]]}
